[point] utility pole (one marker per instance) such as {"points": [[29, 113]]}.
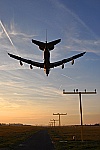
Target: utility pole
{"points": [[80, 93], [59, 117], [54, 121]]}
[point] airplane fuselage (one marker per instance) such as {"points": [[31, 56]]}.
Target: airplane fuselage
{"points": [[46, 60], [46, 48]]}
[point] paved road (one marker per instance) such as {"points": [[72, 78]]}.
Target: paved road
{"points": [[39, 141]]}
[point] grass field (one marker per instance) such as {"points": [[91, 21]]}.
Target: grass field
{"points": [[10, 136], [62, 137]]}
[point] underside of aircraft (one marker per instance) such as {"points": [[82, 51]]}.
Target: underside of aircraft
{"points": [[47, 65]]}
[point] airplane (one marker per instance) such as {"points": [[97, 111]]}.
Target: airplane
{"points": [[46, 48]]}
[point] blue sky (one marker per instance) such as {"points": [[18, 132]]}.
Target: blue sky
{"points": [[28, 96]]}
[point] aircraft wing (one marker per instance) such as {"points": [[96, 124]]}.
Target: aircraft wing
{"points": [[58, 63], [37, 64]]}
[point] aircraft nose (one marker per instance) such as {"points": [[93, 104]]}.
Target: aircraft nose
{"points": [[47, 72]]}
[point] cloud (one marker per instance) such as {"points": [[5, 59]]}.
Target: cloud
{"points": [[76, 35], [59, 4], [30, 91], [86, 45], [22, 47], [7, 105]]}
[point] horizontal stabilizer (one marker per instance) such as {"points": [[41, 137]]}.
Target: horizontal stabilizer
{"points": [[43, 45]]}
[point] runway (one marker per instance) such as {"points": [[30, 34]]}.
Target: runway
{"points": [[38, 141]]}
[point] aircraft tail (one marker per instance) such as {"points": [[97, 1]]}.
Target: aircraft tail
{"points": [[51, 44]]}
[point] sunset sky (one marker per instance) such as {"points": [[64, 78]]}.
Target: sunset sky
{"points": [[29, 96]]}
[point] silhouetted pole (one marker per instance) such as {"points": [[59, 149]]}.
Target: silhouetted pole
{"points": [[59, 117], [81, 109], [54, 121], [76, 92], [51, 124]]}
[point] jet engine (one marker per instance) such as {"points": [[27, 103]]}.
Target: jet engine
{"points": [[72, 62], [21, 63], [31, 67], [62, 66]]}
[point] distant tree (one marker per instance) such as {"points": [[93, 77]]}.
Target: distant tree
{"points": [[97, 124]]}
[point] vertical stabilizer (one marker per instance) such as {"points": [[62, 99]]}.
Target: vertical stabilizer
{"points": [[46, 35]]}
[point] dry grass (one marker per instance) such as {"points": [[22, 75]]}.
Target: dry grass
{"points": [[12, 135], [63, 137]]}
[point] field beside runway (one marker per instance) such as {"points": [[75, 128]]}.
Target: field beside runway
{"points": [[65, 137], [69, 137]]}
